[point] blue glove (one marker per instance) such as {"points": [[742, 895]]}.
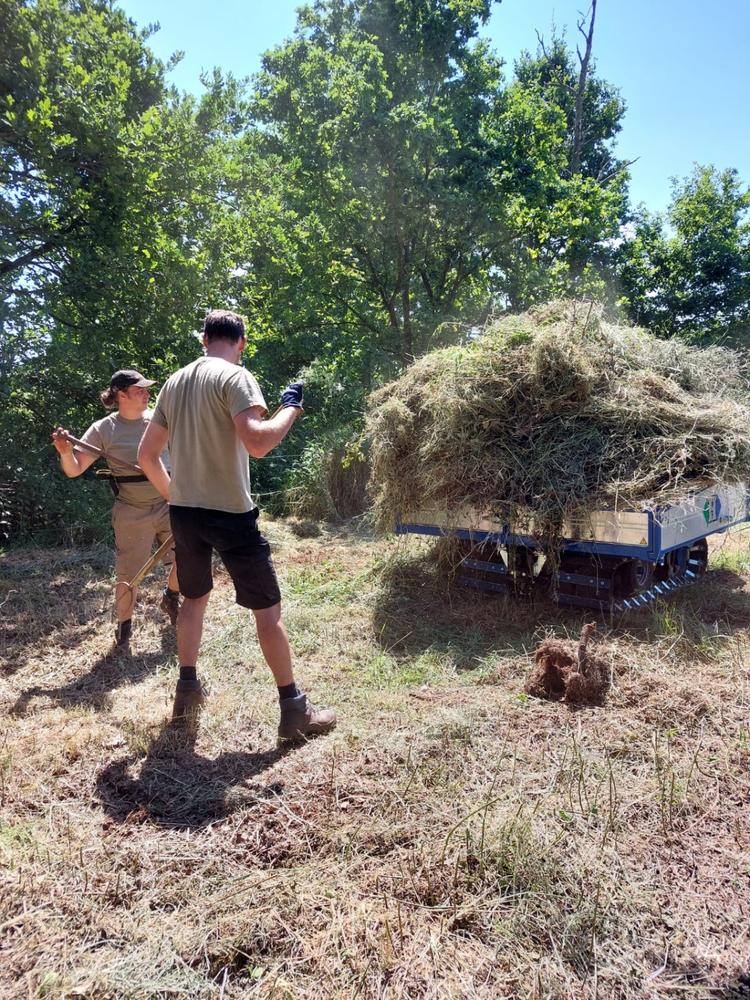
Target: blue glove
{"points": [[292, 395]]}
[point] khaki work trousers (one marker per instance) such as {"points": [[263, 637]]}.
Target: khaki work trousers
{"points": [[136, 531]]}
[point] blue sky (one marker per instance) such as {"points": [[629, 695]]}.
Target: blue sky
{"points": [[679, 64]]}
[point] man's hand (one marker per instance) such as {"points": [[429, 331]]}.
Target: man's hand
{"points": [[292, 395], [61, 442]]}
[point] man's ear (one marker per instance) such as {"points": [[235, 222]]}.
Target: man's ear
{"points": [[204, 340]]}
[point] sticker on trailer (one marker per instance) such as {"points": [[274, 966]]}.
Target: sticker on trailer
{"points": [[700, 515], [712, 509]]}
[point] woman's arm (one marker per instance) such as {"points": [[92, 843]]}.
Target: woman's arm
{"points": [[74, 463]]}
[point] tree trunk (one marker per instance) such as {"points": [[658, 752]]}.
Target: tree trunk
{"points": [[407, 337], [579, 124]]}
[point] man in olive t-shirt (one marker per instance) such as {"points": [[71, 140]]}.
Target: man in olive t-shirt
{"points": [[212, 414]]}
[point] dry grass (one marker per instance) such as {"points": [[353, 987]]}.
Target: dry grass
{"points": [[554, 413], [454, 838]]}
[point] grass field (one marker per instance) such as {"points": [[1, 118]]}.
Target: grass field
{"points": [[453, 838]]}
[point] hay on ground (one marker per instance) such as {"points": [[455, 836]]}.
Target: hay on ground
{"points": [[568, 672], [554, 413]]}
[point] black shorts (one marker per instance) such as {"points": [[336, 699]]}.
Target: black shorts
{"points": [[243, 550]]}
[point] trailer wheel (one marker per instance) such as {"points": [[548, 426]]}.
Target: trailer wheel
{"points": [[698, 556], [633, 576], [693, 558]]}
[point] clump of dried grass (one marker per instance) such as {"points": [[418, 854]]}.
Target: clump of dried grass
{"points": [[568, 672], [553, 413]]}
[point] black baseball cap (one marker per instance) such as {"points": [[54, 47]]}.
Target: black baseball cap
{"points": [[127, 377]]}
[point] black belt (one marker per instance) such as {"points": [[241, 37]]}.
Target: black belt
{"points": [[114, 481]]}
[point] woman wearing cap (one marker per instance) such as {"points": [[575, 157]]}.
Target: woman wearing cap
{"points": [[140, 516]]}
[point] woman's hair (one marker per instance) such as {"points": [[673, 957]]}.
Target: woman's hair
{"points": [[109, 398]]}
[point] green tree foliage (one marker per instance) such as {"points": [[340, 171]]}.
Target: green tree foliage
{"points": [[420, 188], [576, 195], [688, 273], [110, 202], [113, 221], [375, 110]]}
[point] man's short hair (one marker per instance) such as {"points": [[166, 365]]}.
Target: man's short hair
{"points": [[220, 324]]}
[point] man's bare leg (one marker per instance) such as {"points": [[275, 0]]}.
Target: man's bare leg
{"points": [[299, 719], [190, 629], [172, 581], [274, 644], [189, 696]]}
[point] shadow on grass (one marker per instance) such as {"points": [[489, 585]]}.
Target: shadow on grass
{"points": [[419, 609], [112, 670], [687, 976], [722, 594], [737, 990], [177, 787]]}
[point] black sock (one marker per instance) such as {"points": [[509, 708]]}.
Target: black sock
{"points": [[168, 592], [188, 674], [288, 691], [123, 631]]}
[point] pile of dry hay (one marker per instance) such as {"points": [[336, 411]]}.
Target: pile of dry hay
{"points": [[554, 413]]}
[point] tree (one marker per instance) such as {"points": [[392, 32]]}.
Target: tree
{"points": [[74, 78], [377, 109], [688, 274], [115, 217], [110, 188], [566, 231], [425, 189]]}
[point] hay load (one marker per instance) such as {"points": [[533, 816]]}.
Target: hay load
{"points": [[554, 413]]}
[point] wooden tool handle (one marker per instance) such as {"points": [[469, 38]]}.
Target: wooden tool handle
{"points": [[97, 451], [151, 562]]}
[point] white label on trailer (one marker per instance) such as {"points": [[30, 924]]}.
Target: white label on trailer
{"points": [[700, 515]]}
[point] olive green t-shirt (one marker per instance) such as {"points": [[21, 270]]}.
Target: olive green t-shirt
{"points": [[119, 438], [210, 466]]}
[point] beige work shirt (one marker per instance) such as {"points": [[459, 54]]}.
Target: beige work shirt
{"points": [[210, 466], [119, 438]]}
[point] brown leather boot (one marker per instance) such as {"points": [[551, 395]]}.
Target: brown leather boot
{"points": [[170, 605], [300, 719], [123, 633], [188, 700]]}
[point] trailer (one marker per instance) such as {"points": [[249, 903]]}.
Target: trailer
{"points": [[611, 560]]}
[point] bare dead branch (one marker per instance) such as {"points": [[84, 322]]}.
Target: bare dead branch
{"points": [[578, 128]]}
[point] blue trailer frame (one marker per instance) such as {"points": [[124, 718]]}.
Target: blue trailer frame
{"points": [[721, 509]]}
